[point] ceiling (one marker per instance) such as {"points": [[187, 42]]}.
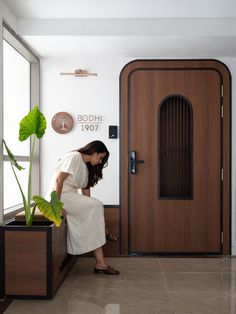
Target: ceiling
{"points": [[80, 9], [133, 47], [47, 27]]}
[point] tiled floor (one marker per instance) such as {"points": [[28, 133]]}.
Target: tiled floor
{"points": [[145, 286]]}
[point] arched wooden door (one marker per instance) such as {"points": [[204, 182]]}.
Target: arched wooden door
{"points": [[175, 157]]}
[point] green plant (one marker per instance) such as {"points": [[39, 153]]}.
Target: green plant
{"points": [[31, 126]]}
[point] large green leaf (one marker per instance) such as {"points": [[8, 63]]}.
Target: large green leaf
{"points": [[11, 157], [51, 210], [33, 123]]}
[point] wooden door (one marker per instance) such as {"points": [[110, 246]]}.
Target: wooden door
{"points": [[175, 161]]}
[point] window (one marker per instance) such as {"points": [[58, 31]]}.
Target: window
{"points": [[20, 92], [175, 148], [16, 103]]}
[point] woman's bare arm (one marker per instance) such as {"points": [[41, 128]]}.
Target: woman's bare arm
{"points": [[60, 178]]}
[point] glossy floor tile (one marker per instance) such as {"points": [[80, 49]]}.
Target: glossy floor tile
{"points": [[149, 285]]}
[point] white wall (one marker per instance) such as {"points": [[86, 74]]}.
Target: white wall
{"points": [[89, 95]]}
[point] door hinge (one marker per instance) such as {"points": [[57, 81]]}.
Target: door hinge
{"points": [[222, 237], [222, 91], [222, 111], [222, 174]]}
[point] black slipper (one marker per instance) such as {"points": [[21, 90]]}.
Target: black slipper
{"points": [[108, 271]]}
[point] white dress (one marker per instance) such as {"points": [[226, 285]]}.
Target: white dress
{"points": [[85, 215]]}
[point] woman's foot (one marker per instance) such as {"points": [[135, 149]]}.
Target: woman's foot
{"points": [[108, 271], [100, 268], [110, 237]]}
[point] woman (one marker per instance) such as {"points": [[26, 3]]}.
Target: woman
{"points": [[82, 169]]}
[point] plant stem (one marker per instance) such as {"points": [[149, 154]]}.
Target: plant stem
{"points": [[32, 215], [30, 170], [22, 195]]}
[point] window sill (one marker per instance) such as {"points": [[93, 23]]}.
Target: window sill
{"points": [[10, 213]]}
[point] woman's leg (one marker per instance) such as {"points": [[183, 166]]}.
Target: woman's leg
{"points": [[99, 257], [100, 266]]}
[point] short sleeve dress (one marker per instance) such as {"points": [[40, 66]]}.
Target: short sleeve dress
{"points": [[85, 215]]}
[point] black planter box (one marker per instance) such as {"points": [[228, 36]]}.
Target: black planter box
{"points": [[33, 260]]}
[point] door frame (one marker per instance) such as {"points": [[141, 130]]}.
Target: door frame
{"points": [[209, 64]]}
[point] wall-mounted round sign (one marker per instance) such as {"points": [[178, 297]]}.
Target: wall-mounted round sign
{"points": [[62, 122]]}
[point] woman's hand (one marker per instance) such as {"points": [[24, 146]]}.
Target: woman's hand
{"points": [[86, 192], [64, 214]]}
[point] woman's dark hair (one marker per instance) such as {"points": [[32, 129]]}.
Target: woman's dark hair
{"points": [[95, 172]]}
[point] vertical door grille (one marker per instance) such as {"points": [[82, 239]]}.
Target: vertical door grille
{"points": [[175, 148]]}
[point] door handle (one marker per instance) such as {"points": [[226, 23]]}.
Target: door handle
{"points": [[133, 161]]}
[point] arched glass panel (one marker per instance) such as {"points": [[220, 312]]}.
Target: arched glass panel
{"points": [[175, 148]]}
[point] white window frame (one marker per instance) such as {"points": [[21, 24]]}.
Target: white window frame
{"points": [[17, 43]]}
